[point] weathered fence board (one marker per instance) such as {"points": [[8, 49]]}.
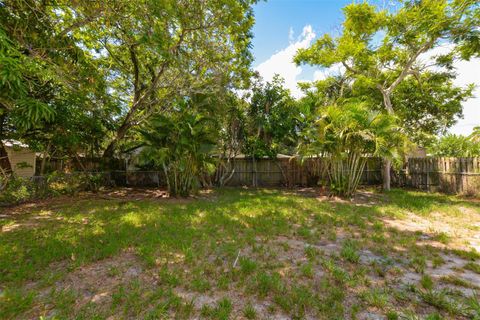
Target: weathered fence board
{"points": [[292, 172], [449, 175]]}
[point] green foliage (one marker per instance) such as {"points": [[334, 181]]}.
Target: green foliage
{"points": [[272, 120], [452, 145], [428, 104], [14, 301], [180, 144], [347, 132], [381, 52], [77, 76], [18, 190]]}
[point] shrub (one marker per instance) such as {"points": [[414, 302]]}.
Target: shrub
{"points": [[180, 144], [17, 190], [344, 134]]}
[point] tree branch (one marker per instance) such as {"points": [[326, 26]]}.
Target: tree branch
{"points": [[406, 70]]}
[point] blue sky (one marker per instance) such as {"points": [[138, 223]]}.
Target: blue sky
{"points": [[284, 26]]}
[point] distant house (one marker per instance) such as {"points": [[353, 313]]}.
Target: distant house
{"points": [[22, 159], [418, 152]]}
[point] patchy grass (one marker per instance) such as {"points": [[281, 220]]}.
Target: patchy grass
{"points": [[239, 253]]}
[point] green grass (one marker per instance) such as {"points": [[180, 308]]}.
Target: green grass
{"points": [[185, 252]]}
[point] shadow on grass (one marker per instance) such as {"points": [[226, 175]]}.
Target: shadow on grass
{"points": [[92, 230]]}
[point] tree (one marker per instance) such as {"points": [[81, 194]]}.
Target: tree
{"points": [[232, 119], [381, 49], [43, 70], [272, 120], [181, 144], [428, 104], [345, 133], [156, 51], [76, 76], [475, 135], [452, 145]]}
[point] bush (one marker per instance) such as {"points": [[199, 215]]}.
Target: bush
{"points": [[58, 183], [17, 190]]}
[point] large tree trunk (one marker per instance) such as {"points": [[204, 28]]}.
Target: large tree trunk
{"points": [[121, 132], [387, 163], [5, 165]]}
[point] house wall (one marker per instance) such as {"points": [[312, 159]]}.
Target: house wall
{"points": [[18, 158]]}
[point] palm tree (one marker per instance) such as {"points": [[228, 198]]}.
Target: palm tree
{"points": [[475, 135], [348, 132], [180, 144]]}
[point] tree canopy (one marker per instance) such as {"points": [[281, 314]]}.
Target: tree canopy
{"points": [[379, 49]]}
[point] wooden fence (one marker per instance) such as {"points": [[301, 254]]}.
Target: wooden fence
{"points": [[449, 175], [291, 172]]}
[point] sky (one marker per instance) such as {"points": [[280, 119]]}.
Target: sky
{"points": [[284, 26]]}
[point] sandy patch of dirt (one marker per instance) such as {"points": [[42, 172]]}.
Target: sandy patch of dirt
{"points": [[240, 301], [465, 239], [96, 281]]}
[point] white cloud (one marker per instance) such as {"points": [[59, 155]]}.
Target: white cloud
{"points": [[282, 62], [291, 35], [468, 72], [336, 69]]}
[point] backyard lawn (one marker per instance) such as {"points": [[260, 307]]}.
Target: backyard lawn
{"points": [[242, 254]]}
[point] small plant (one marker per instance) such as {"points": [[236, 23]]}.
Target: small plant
{"points": [[426, 282], [437, 261], [14, 302], [339, 274], [349, 252], [472, 267], [264, 284], [441, 300], [307, 270], [63, 300], [473, 306], [247, 266], [220, 312], [456, 281], [418, 263], [304, 232], [249, 312], [311, 252], [113, 271], [392, 315], [472, 255], [296, 301], [168, 278], [17, 190], [442, 237], [200, 285], [376, 298]]}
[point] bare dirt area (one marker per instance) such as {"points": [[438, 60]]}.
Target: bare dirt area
{"points": [[236, 254]]}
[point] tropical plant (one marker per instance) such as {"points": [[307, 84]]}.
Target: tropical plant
{"points": [[180, 144], [452, 145], [381, 49], [272, 119], [345, 134], [475, 135]]}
